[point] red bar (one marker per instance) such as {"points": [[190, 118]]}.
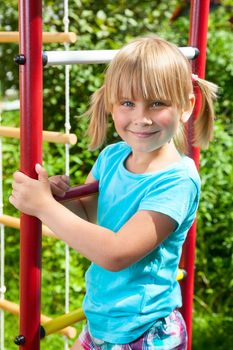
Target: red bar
{"points": [[30, 27], [198, 38], [79, 191]]}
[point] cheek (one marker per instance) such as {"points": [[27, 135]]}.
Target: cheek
{"points": [[168, 119], [119, 120]]}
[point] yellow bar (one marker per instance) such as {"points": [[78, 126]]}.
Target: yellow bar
{"points": [[49, 136], [10, 221], [63, 321], [48, 37], [13, 308], [181, 274]]}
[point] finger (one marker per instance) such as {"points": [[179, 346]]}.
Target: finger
{"points": [[66, 179], [19, 177], [59, 182], [15, 185], [57, 191], [42, 173], [12, 200]]}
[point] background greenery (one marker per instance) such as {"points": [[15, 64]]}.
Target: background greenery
{"points": [[107, 25]]}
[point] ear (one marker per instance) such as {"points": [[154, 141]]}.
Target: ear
{"points": [[186, 114]]}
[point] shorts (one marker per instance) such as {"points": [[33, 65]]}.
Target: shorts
{"points": [[165, 334]]}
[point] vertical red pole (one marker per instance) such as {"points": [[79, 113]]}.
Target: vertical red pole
{"points": [[198, 38], [30, 27]]}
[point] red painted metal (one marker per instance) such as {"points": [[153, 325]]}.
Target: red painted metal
{"points": [[30, 27], [79, 191], [198, 38]]}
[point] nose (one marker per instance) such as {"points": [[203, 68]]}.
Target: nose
{"points": [[143, 120], [142, 115]]}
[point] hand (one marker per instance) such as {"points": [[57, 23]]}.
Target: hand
{"points": [[59, 184], [29, 195]]}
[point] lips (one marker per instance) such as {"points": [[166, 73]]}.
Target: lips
{"points": [[143, 134]]}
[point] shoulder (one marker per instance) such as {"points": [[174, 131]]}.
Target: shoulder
{"points": [[110, 156], [187, 170], [115, 148], [175, 192], [114, 151], [175, 183]]}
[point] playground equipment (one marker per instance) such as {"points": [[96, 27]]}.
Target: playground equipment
{"points": [[13, 37], [31, 67], [95, 56]]}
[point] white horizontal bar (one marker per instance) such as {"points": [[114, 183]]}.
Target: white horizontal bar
{"points": [[74, 57], [95, 56], [9, 105]]}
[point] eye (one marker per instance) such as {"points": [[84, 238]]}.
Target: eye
{"points": [[127, 103], [155, 104]]}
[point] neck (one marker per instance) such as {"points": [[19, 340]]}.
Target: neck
{"points": [[143, 162]]}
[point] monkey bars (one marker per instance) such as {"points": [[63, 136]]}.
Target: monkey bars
{"points": [[31, 141]]}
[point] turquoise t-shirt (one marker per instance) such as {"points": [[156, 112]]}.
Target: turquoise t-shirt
{"points": [[121, 306]]}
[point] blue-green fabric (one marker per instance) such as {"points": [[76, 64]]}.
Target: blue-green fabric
{"points": [[121, 306]]}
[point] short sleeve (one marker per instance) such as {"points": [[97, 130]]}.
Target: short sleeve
{"points": [[96, 168], [176, 197], [99, 164]]}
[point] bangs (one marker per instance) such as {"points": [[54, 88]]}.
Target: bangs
{"points": [[151, 71]]}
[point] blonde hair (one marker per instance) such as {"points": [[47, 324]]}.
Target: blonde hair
{"points": [[151, 68]]}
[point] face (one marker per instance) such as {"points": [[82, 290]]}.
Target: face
{"points": [[146, 125]]}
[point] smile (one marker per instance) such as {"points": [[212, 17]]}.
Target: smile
{"points": [[143, 134]]}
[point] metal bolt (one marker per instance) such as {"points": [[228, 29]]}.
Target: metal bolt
{"points": [[19, 340], [20, 59]]}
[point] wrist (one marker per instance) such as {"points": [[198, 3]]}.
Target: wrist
{"points": [[48, 204]]}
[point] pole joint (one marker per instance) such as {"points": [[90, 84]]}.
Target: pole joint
{"points": [[20, 340], [20, 59]]}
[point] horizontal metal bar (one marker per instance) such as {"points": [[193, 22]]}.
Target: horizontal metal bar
{"points": [[9, 105], [95, 56], [63, 322], [79, 191], [78, 57]]}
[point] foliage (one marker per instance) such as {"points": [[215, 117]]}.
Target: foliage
{"points": [[109, 24]]}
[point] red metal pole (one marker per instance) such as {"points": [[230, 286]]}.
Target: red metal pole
{"points": [[30, 27], [198, 38]]}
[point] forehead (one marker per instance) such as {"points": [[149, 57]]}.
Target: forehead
{"points": [[137, 85], [150, 74]]}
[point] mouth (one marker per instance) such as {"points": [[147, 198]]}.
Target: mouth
{"points": [[143, 134]]}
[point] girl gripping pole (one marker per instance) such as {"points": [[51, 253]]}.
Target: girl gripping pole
{"points": [[148, 197]]}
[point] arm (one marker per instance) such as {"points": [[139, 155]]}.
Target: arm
{"points": [[113, 251]]}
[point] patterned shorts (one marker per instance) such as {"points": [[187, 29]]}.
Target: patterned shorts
{"points": [[167, 333]]}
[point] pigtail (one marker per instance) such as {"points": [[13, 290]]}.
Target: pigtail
{"points": [[204, 124], [180, 139], [98, 119]]}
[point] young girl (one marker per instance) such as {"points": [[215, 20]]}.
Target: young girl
{"points": [[148, 197]]}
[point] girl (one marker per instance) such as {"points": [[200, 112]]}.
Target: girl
{"points": [[148, 197]]}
